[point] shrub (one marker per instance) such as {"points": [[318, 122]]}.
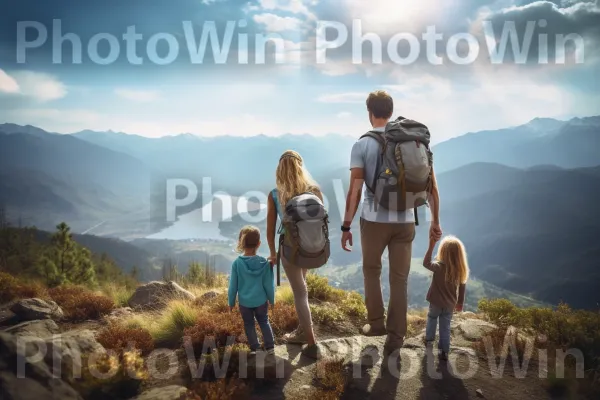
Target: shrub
{"points": [[283, 318], [79, 304], [12, 289], [124, 375], [119, 338], [319, 289], [331, 377], [354, 306], [500, 311], [326, 314], [222, 389], [220, 328]]}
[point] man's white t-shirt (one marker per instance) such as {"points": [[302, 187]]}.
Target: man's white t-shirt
{"points": [[366, 154]]}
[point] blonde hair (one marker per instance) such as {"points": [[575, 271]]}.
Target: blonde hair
{"points": [[453, 255], [249, 238], [292, 177]]}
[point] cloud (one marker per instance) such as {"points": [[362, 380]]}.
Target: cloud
{"points": [[344, 115], [141, 96], [39, 86], [7, 83], [575, 18], [291, 6], [275, 23], [344, 98]]}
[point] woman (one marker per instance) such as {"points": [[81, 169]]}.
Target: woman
{"points": [[293, 179]]}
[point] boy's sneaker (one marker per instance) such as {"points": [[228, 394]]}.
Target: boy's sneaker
{"points": [[296, 337], [369, 330], [312, 351]]}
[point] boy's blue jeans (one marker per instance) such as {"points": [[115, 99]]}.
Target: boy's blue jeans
{"points": [[444, 315], [262, 317]]}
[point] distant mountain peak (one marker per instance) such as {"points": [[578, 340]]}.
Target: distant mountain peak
{"points": [[545, 125]]}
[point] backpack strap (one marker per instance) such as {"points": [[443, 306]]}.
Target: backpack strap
{"points": [[377, 136]]}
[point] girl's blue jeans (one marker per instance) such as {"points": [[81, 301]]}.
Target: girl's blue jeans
{"points": [[262, 317], [444, 315]]}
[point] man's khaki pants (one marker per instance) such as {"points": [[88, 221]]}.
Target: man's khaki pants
{"points": [[398, 238]]}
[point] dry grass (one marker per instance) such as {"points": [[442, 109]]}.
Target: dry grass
{"points": [[120, 338], [332, 378], [415, 323], [79, 304], [326, 314], [284, 295], [319, 289], [120, 294]]}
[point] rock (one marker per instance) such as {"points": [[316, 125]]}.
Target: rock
{"points": [[417, 342], [479, 393], [34, 309], [156, 294], [37, 382], [40, 329], [305, 387], [474, 329], [172, 392], [65, 353], [209, 296], [118, 314], [468, 315]]}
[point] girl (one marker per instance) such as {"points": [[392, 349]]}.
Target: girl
{"points": [[252, 282], [447, 291], [292, 179]]}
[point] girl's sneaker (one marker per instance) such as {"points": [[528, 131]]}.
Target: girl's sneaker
{"points": [[271, 351], [443, 356], [296, 337]]}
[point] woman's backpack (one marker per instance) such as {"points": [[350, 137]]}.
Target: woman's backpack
{"points": [[304, 239]]}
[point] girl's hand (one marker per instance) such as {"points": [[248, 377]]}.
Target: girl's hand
{"points": [[459, 308], [231, 308], [272, 259]]}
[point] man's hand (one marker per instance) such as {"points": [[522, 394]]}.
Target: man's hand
{"points": [[347, 238], [435, 231]]}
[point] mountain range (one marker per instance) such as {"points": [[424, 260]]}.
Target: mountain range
{"points": [[522, 199]]}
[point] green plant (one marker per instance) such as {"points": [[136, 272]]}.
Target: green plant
{"points": [[319, 289], [326, 314], [354, 306], [170, 325]]}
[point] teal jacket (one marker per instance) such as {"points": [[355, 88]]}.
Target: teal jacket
{"points": [[252, 282]]}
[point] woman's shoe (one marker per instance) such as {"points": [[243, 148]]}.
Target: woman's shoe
{"points": [[296, 337], [312, 351]]}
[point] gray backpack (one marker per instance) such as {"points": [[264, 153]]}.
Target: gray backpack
{"points": [[304, 241], [404, 177]]}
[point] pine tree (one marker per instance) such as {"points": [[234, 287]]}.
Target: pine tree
{"points": [[67, 261], [195, 274]]}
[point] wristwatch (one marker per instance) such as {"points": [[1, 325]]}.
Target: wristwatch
{"points": [[345, 229]]}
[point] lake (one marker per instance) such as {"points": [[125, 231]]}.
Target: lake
{"points": [[193, 226]]}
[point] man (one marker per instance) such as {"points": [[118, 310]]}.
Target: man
{"points": [[381, 228]]}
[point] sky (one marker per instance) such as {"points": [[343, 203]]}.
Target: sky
{"points": [[137, 66]]}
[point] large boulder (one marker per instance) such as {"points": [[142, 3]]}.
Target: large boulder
{"points": [[40, 329], [36, 382], [173, 392], [34, 309], [157, 294], [474, 330]]}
